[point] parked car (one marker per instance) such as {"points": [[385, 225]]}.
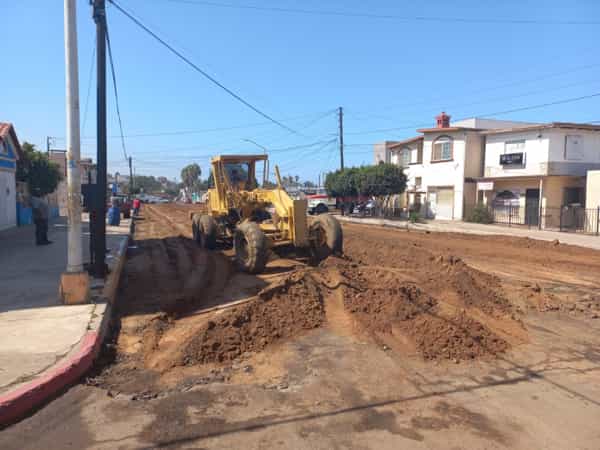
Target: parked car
{"points": [[365, 208], [320, 202]]}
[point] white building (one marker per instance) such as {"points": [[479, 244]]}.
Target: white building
{"points": [[442, 165], [539, 168], [10, 149]]}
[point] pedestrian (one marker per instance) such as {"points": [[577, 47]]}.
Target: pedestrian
{"points": [[40, 219], [136, 206]]}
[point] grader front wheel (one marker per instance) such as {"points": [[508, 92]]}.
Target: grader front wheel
{"points": [[204, 229], [250, 244], [325, 236]]}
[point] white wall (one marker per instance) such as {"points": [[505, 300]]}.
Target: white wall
{"points": [[592, 199], [489, 124], [561, 164], [8, 200], [442, 174], [536, 154], [544, 153]]}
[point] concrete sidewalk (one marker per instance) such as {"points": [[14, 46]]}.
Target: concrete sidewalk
{"points": [[448, 226], [36, 330]]}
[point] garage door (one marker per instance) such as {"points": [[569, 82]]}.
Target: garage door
{"points": [[442, 203]]}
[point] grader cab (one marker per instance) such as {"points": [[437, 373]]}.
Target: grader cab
{"points": [[258, 219]]}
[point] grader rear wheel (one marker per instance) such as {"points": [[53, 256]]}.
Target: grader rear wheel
{"points": [[250, 244], [326, 237]]}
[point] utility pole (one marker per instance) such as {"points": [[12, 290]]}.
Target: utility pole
{"points": [[48, 139], [75, 285], [341, 119], [131, 182], [100, 217]]}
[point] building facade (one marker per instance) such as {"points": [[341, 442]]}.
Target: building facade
{"points": [[10, 151], [539, 171], [442, 165]]}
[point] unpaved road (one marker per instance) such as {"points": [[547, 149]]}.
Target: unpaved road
{"points": [[411, 340]]}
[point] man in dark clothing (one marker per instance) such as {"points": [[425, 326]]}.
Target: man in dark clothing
{"points": [[40, 218]]}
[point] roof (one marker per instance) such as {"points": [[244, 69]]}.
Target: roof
{"points": [[447, 129], [567, 125], [406, 141], [6, 129], [239, 158]]}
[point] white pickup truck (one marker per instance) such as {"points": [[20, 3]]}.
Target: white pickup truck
{"points": [[320, 202]]}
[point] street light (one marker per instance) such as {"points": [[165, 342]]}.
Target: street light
{"points": [[266, 163]]}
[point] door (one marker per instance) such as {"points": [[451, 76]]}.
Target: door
{"points": [[8, 204], [441, 203], [532, 207]]}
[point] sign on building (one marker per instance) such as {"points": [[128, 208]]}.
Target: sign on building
{"points": [[511, 159], [485, 185]]}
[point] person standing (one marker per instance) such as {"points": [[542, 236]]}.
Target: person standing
{"points": [[136, 206], [40, 219]]}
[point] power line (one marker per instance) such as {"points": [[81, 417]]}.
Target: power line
{"points": [[198, 69], [89, 87], [497, 113], [440, 19], [114, 79], [488, 100]]}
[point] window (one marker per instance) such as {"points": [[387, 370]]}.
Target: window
{"points": [[405, 157], [416, 155], [418, 182], [442, 149], [514, 147], [573, 147]]}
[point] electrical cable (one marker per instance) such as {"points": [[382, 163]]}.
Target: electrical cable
{"points": [[463, 20], [114, 79], [198, 69], [89, 87], [497, 113]]}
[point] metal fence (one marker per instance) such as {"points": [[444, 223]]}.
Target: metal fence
{"points": [[566, 218]]}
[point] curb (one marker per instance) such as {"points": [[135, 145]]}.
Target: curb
{"points": [[14, 405]]}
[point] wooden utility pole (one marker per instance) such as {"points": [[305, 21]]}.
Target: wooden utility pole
{"points": [[131, 182], [341, 120]]}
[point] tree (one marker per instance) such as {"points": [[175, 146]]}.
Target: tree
{"points": [[381, 179], [190, 176], [309, 184], [147, 184], [34, 168]]}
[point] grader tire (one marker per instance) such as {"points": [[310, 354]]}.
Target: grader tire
{"points": [[207, 230], [326, 237], [250, 244]]}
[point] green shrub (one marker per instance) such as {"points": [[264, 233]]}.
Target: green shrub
{"points": [[480, 214], [414, 217]]}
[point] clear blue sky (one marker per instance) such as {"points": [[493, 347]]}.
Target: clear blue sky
{"points": [[385, 72]]}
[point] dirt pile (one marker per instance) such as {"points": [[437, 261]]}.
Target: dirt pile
{"points": [[281, 311], [402, 309]]}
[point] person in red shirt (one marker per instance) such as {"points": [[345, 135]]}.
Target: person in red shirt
{"points": [[136, 206]]}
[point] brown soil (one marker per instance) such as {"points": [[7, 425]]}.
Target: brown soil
{"points": [[279, 312], [410, 293]]}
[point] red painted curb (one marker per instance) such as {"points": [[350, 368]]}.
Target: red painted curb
{"points": [[15, 404]]}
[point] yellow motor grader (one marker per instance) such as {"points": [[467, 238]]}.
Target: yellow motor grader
{"points": [[259, 219]]}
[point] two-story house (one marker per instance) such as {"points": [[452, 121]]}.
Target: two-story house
{"points": [[443, 164], [539, 168]]}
